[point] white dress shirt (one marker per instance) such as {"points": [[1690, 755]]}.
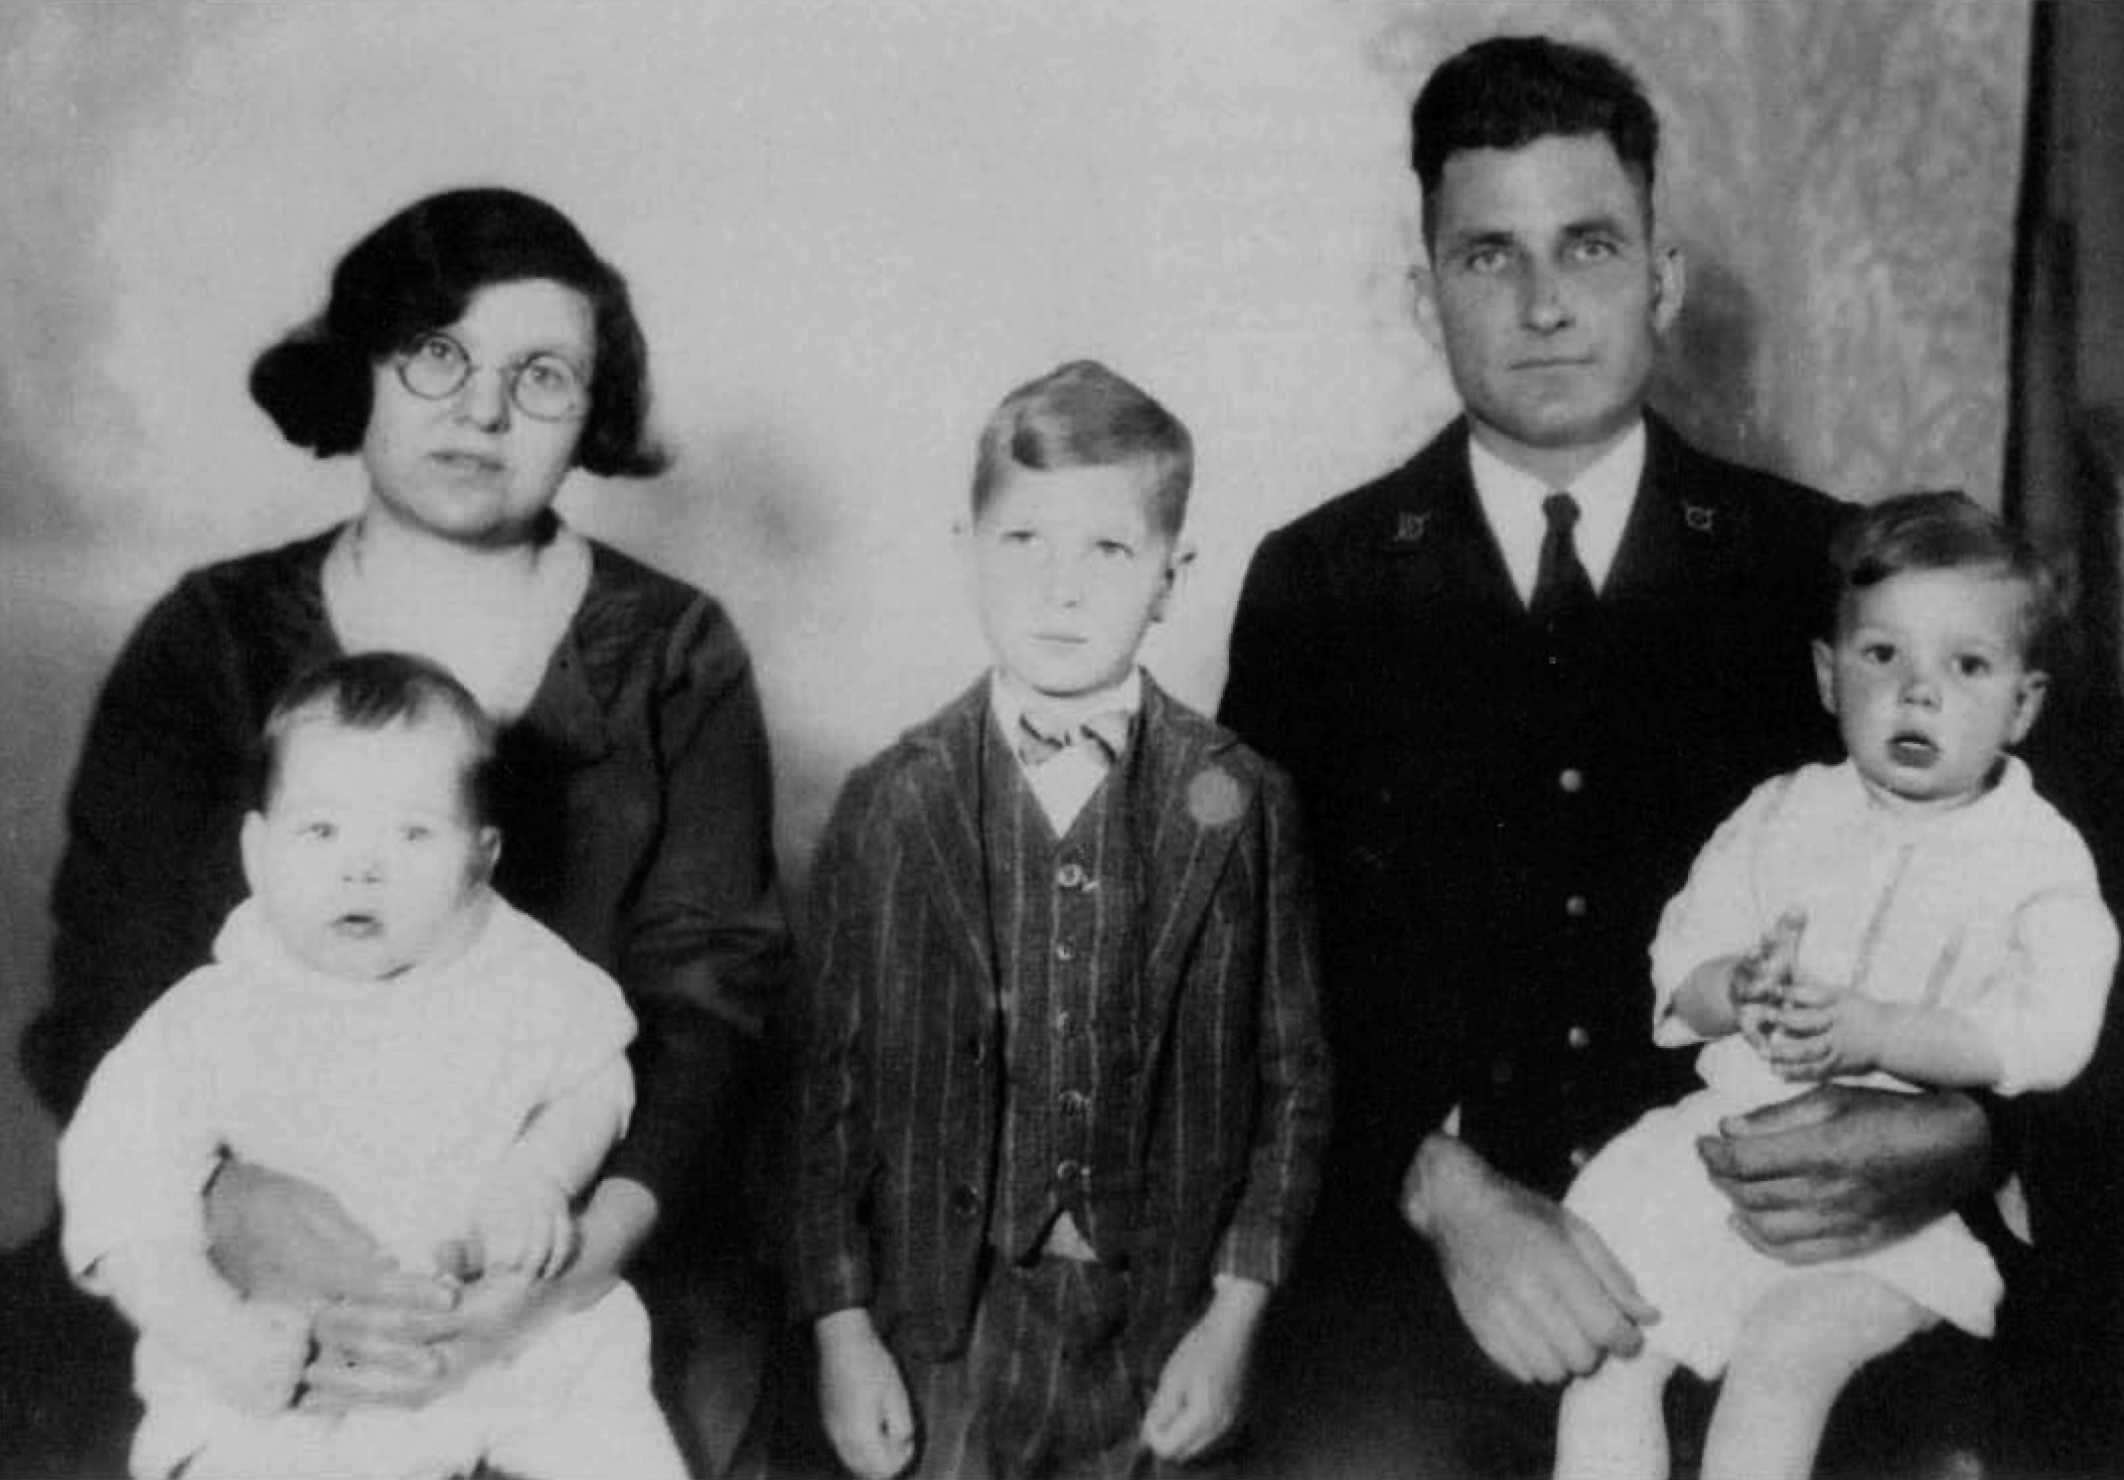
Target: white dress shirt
{"points": [[1511, 502], [1066, 782]]}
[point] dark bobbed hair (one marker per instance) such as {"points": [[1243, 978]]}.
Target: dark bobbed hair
{"points": [[374, 691], [1083, 415], [418, 271], [1945, 530], [1509, 91]]}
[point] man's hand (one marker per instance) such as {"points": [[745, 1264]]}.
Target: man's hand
{"points": [[1204, 1382], [1538, 1290], [1840, 1170], [862, 1397]]}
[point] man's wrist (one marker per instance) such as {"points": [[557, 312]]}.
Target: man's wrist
{"points": [[1437, 1161]]}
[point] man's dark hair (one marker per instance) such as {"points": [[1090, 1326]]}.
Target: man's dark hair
{"points": [[1509, 91]]}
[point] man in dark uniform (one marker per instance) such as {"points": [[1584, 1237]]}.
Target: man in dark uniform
{"points": [[1519, 681]]}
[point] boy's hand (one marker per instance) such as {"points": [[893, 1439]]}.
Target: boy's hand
{"points": [[1760, 980], [1824, 1030], [1201, 1390], [862, 1398], [522, 1223]]}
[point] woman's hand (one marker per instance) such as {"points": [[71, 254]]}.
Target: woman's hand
{"points": [[381, 1355], [276, 1237], [384, 1356]]}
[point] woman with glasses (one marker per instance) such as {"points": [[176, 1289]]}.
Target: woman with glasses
{"points": [[473, 352]]}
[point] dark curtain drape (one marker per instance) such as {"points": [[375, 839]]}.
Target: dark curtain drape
{"points": [[2065, 441], [2065, 470]]}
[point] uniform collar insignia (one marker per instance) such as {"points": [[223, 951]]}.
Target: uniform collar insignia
{"points": [[1701, 518], [1409, 526]]}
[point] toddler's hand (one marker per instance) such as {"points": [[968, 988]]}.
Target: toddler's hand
{"points": [[523, 1223], [1823, 1030], [1760, 980]]}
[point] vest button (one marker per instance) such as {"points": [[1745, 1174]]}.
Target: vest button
{"points": [[1578, 1038], [1579, 1157], [1075, 1101], [1064, 951], [965, 1202], [1576, 906], [1571, 779], [1070, 875], [1069, 1171]]}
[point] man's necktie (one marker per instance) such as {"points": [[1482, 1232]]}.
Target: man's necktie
{"points": [[1043, 735], [1562, 589]]}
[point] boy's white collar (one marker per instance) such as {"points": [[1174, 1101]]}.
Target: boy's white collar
{"points": [[1008, 699]]}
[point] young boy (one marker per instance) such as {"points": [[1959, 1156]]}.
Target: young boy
{"points": [[378, 1022], [1065, 1089], [1916, 915]]}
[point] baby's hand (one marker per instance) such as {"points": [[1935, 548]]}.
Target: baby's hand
{"points": [[1823, 1030], [522, 1222], [259, 1367], [1759, 981]]}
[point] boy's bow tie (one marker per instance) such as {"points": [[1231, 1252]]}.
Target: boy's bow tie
{"points": [[1044, 734]]}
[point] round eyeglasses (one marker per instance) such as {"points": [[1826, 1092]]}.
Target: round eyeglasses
{"points": [[543, 386]]}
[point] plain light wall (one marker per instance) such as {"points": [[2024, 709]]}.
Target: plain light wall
{"points": [[849, 229]]}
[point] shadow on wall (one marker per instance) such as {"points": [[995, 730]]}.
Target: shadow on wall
{"points": [[749, 518], [1706, 382]]}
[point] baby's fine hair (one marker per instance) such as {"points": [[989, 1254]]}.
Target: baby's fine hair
{"points": [[1945, 530], [373, 691], [1083, 415]]}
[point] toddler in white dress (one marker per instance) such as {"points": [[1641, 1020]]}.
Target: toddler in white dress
{"points": [[1915, 916]]}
